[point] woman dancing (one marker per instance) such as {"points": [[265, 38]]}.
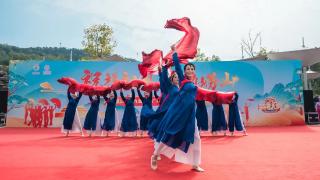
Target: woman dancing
{"points": [[110, 114], [202, 115], [90, 122], [129, 119], [169, 90], [180, 136], [146, 110], [235, 120], [219, 122], [71, 120]]}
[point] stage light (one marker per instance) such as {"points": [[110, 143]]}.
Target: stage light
{"points": [[309, 71]]}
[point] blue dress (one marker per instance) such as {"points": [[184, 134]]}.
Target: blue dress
{"points": [[202, 115], [70, 111], [218, 118], [146, 110], [178, 128], [234, 116], [90, 122], [110, 114], [170, 92], [129, 119]]}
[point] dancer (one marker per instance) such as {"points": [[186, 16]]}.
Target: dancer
{"points": [[235, 120], [110, 114], [71, 120], [90, 122], [170, 88], [180, 132], [202, 115], [129, 119], [146, 110], [163, 88], [219, 122]]}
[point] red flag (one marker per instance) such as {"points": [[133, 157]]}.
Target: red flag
{"points": [[187, 46], [150, 62]]}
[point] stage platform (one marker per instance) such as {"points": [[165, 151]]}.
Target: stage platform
{"points": [[287, 152]]}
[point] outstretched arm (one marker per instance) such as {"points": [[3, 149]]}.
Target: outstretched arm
{"points": [[98, 98], [105, 98], [155, 94], [177, 66], [166, 80], [80, 95], [150, 96], [162, 87], [140, 95], [133, 95], [122, 96], [69, 95], [115, 95]]}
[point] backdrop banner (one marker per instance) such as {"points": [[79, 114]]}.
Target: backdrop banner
{"points": [[270, 92]]}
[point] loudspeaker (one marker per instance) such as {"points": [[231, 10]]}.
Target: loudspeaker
{"points": [[3, 101], [308, 101], [2, 119]]}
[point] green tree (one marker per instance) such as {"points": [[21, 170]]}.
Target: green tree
{"points": [[202, 57], [315, 83], [98, 41]]}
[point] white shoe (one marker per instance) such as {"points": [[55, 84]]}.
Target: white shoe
{"points": [[197, 168], [158, 158], [154, 163]]}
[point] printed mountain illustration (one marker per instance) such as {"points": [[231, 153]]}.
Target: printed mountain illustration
{"points": [[286, 94]]}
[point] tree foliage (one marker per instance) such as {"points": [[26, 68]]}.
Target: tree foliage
{"points": [[202, 57], [251, 48], [8, 52], [98, 41]]}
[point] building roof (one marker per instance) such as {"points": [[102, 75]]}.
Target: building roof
{"points": [[309, 57]]}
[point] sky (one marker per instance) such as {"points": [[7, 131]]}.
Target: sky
{"points": [[139, 24]]}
